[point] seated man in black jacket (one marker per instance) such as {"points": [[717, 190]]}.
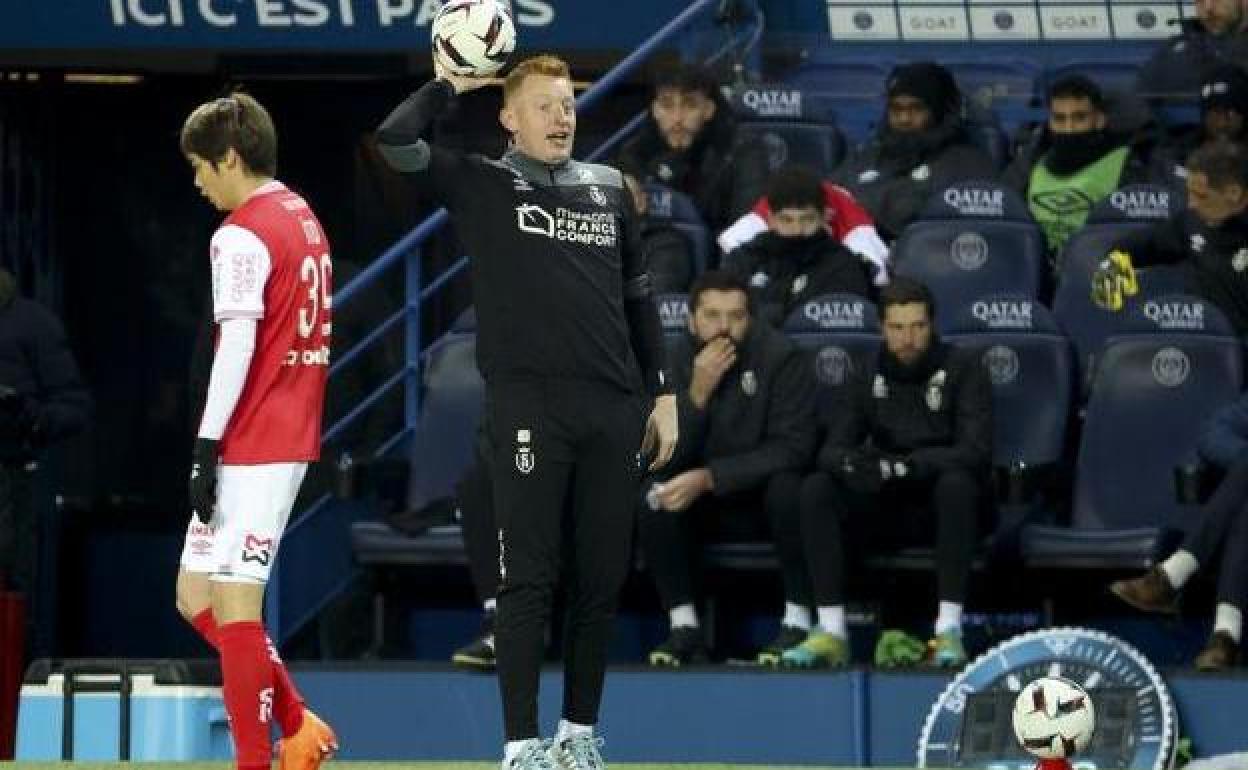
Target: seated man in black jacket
{"points": [[796, 259], [669, 254], [746, 402], [690, 143], [1223, 115], [1210, 237], [905, 459]]}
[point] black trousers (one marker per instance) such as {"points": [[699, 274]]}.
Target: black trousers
{"points": [[475, 493], [838, 521], [565, 471], [1223, 526], [671, 542]]}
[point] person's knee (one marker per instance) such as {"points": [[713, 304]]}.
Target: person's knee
{"points": [[192, 595], [783, 494], [820, 494], [957, 484]]}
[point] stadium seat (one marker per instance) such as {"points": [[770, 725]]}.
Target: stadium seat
{"points": [[863, 78], [1112, 75], [678, 210], [1152, 396], [842, 334], [444, 441], [796, 126], [986, 134], [817, 145], [673, 313], [964, 251], [991, 82], [1032, 371]]}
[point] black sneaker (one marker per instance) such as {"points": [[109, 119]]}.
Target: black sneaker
{"points": [[684, 646], [478, 654], [789, 637]]}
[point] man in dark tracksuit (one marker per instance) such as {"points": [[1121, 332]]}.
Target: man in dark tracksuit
{"points": [[747, 430], [566, 326], [1210, 237], [1223, 525], [910, 440], [42, 400]]}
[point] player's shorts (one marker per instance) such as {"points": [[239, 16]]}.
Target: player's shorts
{"points": [[253, 506]]}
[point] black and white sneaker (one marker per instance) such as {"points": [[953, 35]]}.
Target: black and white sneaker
{"points": [[684, 646], [478, 655]]}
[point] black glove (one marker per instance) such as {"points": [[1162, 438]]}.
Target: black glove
{"points": [[203, 482]]}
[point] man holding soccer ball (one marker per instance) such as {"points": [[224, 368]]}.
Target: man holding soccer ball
{"points": [[570, 347]]}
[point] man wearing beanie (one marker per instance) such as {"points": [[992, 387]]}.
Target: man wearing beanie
{"points": [[1073, 162], [1218, 35], [1223, 115], [922, 147]]}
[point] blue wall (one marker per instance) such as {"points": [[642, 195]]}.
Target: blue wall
{"points": [[708, 715]]}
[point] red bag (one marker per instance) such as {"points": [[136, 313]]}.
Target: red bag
{"points": [[12, 653]]}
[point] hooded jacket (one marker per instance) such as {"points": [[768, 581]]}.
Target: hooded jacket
{"points": [[1179, 65]]}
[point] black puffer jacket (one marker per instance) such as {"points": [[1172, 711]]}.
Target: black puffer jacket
{"points": [[759, 421], [1178, 67], [893, 175], [723, 172], [783, 273], [937, 413], [48, 401]]}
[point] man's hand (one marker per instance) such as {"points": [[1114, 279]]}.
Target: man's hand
{"points": [[1113, 280], [662, 431], [709, 366], [461, 83], [681, 491], [866, 470], [203, 482]]}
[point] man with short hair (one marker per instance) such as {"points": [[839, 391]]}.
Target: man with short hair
{"points": [[1214, 37], [571, 350], [922, 146], [1210, 236], [796, 259], [1073, 162], [905, 460], [261, 420], [747, 429], [690, 142]]}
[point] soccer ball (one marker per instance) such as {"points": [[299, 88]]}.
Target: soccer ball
{"points": [[1054, 718], [473, 37]]}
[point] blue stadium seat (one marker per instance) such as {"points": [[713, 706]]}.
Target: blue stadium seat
{"points": [[986, 134], [795, 125], [972, 240], [673, 313], [842, 333], [1152, 396], [1032, 371], [444, 441], [1112, 75], [817, 145], [678, 210], [990, 82], [863, 78], [1087, 325]]}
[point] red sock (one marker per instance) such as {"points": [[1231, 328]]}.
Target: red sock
{"points": [[248, 678], [287, 702], [206, 625]]}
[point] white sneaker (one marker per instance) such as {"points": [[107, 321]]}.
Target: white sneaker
{"points": [[577, 752], [534, 755]]}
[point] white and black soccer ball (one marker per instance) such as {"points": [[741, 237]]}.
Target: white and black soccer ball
{"points": [[1054, 718], [473, 37]]}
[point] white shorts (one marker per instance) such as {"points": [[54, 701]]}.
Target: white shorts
{"points": [[253, 506]]}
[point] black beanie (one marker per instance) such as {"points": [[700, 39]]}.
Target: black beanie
{"points": [[1225, 88], [928, 82]]}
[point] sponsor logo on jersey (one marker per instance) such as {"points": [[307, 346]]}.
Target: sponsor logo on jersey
{"points": [[590, 228], [258, 550]]}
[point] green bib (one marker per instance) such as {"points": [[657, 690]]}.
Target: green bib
{"points": [[1061, 204]]}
